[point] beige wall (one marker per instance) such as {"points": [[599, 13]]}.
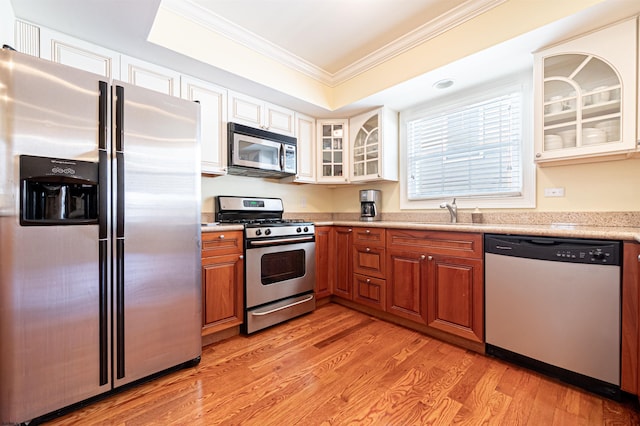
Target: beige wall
{"points": [[606, 186]]}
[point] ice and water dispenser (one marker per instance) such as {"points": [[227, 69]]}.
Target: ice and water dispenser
{"points": [[56, 191]]}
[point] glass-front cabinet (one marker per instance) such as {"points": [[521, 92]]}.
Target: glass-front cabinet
{"points": [[374, 145], [585, 97], [333, 151]]}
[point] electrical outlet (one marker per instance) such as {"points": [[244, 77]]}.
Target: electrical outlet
{"points": [[554, 192]]}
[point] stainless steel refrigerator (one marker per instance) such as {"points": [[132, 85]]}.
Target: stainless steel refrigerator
{"points": [[99, 235]]}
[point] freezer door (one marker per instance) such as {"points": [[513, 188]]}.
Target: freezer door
{"points": [[49, 275], [157, 249]]}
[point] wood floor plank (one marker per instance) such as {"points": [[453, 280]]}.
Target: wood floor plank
{"points": [[336, 366]]}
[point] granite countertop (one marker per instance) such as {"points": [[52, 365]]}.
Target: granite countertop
{"points": [[552, 230]]}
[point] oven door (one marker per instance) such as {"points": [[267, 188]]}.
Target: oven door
{"points": [[278, 269]]}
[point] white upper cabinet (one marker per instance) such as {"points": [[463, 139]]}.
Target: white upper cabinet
{"points": [[254, 112], [79, 54], [306, 149], [150, 76], [213, 122], [585, 97], [374, 146], [333, 151]]}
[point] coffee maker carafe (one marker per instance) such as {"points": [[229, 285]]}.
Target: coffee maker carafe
{"points": [[370, 201]]}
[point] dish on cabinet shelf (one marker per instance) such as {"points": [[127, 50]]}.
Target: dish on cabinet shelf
{"points": [[568, 138], [593, 136], [552, 142], [611, 129]]}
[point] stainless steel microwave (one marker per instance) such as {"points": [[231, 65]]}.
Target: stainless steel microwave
{"points": [[257, 152]]}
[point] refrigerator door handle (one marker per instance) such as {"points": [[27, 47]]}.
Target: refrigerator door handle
{"points": [[119, 308], [103, 102], [119, 119], [119, 234], [103, 307]]}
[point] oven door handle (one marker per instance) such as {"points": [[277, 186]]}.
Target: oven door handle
{"points": [[260, 243], [259, 314]]}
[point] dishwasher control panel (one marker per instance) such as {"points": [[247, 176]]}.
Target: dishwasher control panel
{"points": [[573, 250]]}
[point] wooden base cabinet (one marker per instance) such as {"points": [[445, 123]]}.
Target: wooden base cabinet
{"points": [[436, 278], [222, 281], [455, 294], [407, 285], [369, 291], [325, 261], [630, 371], [343, 243]]}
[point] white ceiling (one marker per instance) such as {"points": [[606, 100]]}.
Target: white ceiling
{"points": [[330, 35]]}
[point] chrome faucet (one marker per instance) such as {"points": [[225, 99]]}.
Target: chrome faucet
{"points": [[453, 210]]}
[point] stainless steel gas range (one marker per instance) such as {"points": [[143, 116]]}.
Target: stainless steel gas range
{"points": [[280, 262]]}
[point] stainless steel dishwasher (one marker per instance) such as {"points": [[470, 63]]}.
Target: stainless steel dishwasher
{"points": [[553, 305]]}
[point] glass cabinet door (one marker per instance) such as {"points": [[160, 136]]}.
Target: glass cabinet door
{"points": [[366, 148], [585, 97], [333, 145], [582, 102]]}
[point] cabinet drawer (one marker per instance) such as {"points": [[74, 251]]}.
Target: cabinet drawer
{"points": [[221, 242], [373, 237], [460, 244], [369, 291], [369, 260]]}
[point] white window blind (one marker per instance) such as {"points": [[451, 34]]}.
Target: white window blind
{"points": [[467, 150]]}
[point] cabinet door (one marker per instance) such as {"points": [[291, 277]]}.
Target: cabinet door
{"points": [[222, 292], [245, 110], [406, 294], [369, 260], [150, 76], [325, 261], [343, 240], [630, 374], [213, 122], [67, 50], [456, 300], [365, 146], [369, 291], [279, 120], [306, 149], [585, 96], [333, 151]]}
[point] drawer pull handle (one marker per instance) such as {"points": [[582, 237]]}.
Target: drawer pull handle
{"points": [[241, 257], [368, 280], [367, 231], [368, 249], [221, 236]]}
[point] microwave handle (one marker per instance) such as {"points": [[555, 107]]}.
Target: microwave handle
{"points": [[281, 156]]}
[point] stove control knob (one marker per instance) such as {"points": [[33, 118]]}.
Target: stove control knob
{"points": [[298, 229], [306, 229], [267, 231], [258, 232]]}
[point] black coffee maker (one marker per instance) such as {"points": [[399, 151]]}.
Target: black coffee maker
{"points": [[370, 201]]}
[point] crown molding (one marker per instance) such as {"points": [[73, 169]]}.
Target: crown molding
{"points": [[443, 23]]}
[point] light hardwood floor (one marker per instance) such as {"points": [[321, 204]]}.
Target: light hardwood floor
{"points": [[339, 367]]}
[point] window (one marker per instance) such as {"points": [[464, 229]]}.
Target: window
{"points": [[475, 146]]}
